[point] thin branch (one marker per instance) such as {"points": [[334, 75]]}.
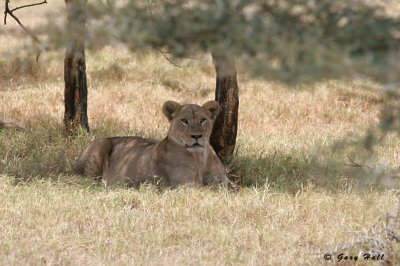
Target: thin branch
{"points": [[25, 28], [353, 163], [10, 12], [35, 4], [164, 54], [358, 165], [5, 11]]}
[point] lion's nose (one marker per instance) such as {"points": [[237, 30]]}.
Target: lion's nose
{"points": [[196, 136]]}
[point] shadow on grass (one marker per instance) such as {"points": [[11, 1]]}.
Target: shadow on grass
{"points": [[43, 151], [287, 172], [341, 166]]}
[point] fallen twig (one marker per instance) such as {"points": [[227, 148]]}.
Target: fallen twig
{"points": [[7, 124]]}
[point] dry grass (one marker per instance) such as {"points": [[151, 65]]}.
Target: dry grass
{"points": [[65, 222], [298, 200]]}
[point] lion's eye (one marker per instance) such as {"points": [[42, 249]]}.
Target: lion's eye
{"points": [[203, 120], [185, 121]]}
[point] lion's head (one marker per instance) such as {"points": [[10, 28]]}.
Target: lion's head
{"points": [[190, 124]]}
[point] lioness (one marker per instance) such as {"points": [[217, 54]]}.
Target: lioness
{"points": [[184, 157]]}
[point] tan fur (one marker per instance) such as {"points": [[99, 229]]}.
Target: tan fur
{"points": [[6, 124], [184, 157]]}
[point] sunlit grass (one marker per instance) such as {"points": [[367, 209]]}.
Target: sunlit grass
{"points": [[70, 221]]}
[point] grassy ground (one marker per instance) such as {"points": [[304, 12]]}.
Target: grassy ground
{"points": [[301, 195]]}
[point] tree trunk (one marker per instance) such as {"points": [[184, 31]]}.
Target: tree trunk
{"points": [[223, 136], [75, 93]]}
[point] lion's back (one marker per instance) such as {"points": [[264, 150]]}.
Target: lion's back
{"points": [[116, 152]]}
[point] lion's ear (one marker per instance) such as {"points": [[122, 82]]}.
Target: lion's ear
{"points": [[212, 109], [169, 108]]}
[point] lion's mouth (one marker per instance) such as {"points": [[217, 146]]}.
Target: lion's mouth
{"points": [[196, 145]]}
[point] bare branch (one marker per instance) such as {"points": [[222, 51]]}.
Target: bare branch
{"points": [[35, 4], [5, 11], [164, 54], [25, 28], [358, 165], [9, 11]]}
